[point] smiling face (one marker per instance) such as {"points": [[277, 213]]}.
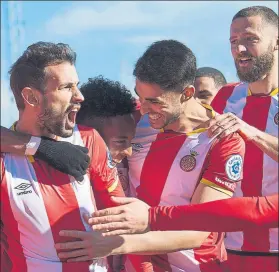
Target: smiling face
{"points": [[252, 46], [163, 108], [60, 100], [118, 132]]}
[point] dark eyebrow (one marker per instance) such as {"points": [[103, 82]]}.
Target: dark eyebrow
{"points": [[151, 99], [67, 84], [204, 92]]}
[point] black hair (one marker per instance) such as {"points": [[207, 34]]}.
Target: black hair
{"points": [[268, 15], [167, 63], [217, 76], [29, 69], [104, 98]]}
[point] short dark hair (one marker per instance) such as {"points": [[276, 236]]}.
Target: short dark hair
{"points": [[167, 63], [29, 69], [217, 76], [268, 15], [104, 98]]}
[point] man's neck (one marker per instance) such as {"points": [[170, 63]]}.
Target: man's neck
{"points": [[266, 85], [193, 117], [29, 125]]}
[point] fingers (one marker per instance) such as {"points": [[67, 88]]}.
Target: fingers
{"points": [[105, 219], [108, 211], [221, 123], [72, 254], [111, 226], [74, 233], [123, 200], [230, 130], [70, 245]]}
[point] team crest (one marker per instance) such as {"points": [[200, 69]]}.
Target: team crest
{"points": [[276, 119], [188, 162], [234, 167]]}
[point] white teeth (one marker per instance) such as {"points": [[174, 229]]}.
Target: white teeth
{"points": [[244, 59], [154, 116]]}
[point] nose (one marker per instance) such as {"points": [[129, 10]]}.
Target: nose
{"points": [[77, 96], [241, 48]]}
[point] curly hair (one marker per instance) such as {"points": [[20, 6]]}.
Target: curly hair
{"points": [[105, 98], [29, 69], [167, 63]]}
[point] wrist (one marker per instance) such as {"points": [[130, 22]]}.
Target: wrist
{"points": [[32, 146]]}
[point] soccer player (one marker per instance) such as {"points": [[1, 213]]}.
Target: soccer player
{"points": [[37, 201], [110, 108], [208, 82], [178, 165], [254, 102]]}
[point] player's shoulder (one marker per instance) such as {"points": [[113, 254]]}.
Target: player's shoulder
{"points": [[232, 143]]}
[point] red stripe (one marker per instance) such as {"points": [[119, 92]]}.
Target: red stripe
{"points": [[154, 173], [255, 113], [10, 228], [157, 165], [61, 207], [220, 100]]}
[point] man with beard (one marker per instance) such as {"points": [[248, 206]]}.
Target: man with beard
{"points": [[175, 163], [254, 46], [37, 201], [208, 82]]}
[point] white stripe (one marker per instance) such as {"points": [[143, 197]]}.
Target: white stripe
{"points": [[236, 104], [270, 169], [33, 225]]}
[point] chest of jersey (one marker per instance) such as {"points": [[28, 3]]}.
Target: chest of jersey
{"points": [[166, 167]]}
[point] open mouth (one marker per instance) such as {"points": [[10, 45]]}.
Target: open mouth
{"points": [[72, 117], [244, 61]]}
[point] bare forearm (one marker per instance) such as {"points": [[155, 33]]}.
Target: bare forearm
{"points": [[157, 242], [13, 142], [267, 143]]}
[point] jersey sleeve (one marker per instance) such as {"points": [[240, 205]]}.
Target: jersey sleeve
{"points": [[103, 173], [224, 164], [218, 216], [220, 100]]}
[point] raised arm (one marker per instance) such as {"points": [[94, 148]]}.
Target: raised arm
{"points": [[65, 157]]}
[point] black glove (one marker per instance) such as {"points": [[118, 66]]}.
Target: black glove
{"points": [[65, 157]]}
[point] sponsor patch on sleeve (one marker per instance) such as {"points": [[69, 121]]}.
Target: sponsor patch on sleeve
{"points": [[234, 167]]}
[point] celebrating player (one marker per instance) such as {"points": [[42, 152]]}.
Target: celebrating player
{"points": [[177, 165], [38, 201]]}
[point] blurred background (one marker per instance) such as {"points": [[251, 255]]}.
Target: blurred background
{"points": [[109, 36]]}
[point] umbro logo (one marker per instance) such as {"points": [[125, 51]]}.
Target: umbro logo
{"points": [[23, 187]]}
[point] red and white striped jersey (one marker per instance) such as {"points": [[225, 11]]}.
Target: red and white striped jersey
{"points": [[260, 172], [37, 201], [166, 168]]}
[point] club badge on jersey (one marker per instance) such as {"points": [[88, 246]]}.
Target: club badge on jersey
{"points": [[188, 162], [234, 167]]}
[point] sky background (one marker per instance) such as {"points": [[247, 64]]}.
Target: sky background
{"points": [[109, 36]]}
